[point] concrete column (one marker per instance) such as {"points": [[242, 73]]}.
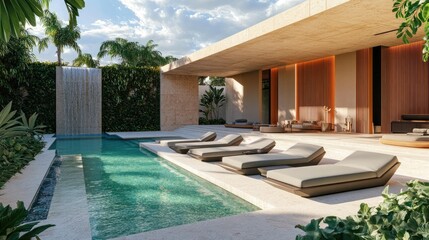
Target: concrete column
{"points": [[243, 97], [179, 101], [345, 89], [287, 93]]}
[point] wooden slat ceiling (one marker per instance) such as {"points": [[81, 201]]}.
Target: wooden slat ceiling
{"points": [[311, 30]]}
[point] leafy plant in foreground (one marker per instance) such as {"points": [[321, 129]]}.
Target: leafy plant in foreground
{"points": [[11, 226], [8, 124], [399, 216], [414, 14], [30, 126]]}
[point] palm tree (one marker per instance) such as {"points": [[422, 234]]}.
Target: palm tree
{"points": [[16, 13], [121, 48], [87, 60], [134, 54], [60, 36]]}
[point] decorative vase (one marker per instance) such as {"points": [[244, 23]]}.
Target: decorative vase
{"points": [[325, 126]]}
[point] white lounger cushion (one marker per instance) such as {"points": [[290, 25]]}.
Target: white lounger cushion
{"points": [[259, 146], [359, 165], [371, 161], [205, 137], [320, 175], [254, 161], [298, 153]]}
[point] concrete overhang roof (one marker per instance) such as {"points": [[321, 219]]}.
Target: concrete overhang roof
{"points": [[310, 30]]}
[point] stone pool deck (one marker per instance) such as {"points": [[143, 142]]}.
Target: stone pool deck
{"points": [[280, 210]]}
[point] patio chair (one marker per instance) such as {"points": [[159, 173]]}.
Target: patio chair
{"points": [[359, 170], [228, 140], [262, 145], [300, 154], [206, 137]]}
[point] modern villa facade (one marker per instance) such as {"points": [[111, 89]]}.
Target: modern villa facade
{"points": [[342, 54]]}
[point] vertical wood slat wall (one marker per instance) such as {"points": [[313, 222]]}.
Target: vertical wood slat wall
{"points": [[274, 95], [364, 91], [405, 83], [315, 86]]}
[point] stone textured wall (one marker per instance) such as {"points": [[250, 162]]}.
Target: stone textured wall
{"points": [[243, 93], [179, 101]]}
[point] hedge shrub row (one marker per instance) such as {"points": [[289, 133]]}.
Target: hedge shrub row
{"points": [[130, 96], [130, 99], [33, 92]]}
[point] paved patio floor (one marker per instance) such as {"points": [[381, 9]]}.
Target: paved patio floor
{"points": [[280, 210]]}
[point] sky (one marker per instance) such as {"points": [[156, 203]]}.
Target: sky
{"points": [[179, 27]]}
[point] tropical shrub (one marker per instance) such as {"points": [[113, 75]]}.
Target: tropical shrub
{"points": [[18, 142], [211, 101], [399, 216], [15, 154], [11, 226]]}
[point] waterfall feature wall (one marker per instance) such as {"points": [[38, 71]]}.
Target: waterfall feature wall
{"points": [[78, 99]]}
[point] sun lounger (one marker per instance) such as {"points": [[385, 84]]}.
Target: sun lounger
{"points": [[216, 153], [206, 137], [358, 170], [228, 140], [300, 154]]}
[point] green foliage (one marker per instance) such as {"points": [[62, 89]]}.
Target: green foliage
{"points": [[399, 216], [212, 81], [130, 98], [11, 227], [18, 144], [205, 121], [86, 60], [33, 90], [8, 123], [30, 127], [14, 15], [415, 14], [60, 36], [211, 101], [16, 153], [133, 54]]}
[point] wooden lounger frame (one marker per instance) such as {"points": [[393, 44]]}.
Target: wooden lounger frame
{"points": [[414, 144], [336, 188], [255, 170]]}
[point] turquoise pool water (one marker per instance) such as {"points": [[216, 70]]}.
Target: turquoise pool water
{"points": [[130, 190]]}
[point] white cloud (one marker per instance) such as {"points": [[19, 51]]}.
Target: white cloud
{"points": [[280, 5], [109, 30], [179, 27]]}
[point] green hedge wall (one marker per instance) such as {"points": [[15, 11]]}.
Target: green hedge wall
{"points": [[32, 92], [130, 99], [130, 96]]}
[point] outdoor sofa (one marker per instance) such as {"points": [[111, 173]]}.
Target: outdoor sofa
{"points": [[228, 140], [418, 138], [262, 145], [300, 154], [359, 170]]}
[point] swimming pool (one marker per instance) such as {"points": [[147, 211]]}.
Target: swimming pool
{"points": [[130, 190]]}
